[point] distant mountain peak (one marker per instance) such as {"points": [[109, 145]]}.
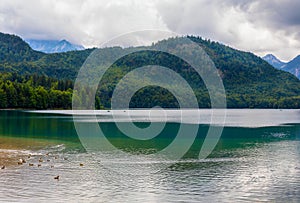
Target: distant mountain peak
{"points": [[270, 56], [297, 58], [274, 61], [53, 46], [293, 66]]}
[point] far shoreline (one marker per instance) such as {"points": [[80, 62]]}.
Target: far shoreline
{"points": [[25, 109]]}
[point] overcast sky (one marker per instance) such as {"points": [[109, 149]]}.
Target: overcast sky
{"points": [[259, 26]]}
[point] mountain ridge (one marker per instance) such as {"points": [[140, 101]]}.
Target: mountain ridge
{"points": [[292, 66], [274, 61], [53, 46], [14, 49], [250, 82]]}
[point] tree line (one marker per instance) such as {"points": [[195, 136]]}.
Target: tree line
{"points": [[34, 92], [41, 92]]}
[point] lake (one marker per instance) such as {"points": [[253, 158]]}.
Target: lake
{"points": [[257, 157]]}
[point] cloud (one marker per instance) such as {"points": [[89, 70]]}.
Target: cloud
{"points": [[282, 20], [87, 22], [260, 26]]}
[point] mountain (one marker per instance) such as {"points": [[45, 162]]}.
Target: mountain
{"points": [[274, 61], [18, 57], [53, 46], [14, 49], [293, 67], [249, 81]]}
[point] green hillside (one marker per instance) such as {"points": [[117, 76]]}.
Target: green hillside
{"points": [[13, 50], [249, 81], [16, 56]]}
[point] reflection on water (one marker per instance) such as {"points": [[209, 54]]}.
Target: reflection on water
{"points": [[248, 164], [235, 117]]}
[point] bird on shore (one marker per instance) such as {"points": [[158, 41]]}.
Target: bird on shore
{"points": [[31, 164], [3, 167], [21, 161]]}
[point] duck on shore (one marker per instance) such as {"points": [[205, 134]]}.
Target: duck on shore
{"points": [[21, 161]]}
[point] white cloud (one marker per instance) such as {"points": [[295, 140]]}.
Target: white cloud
{"points": [[260, 26], [87, 22], [246, 25]]}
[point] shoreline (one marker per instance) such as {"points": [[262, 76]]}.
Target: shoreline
{"points": [[10, 159], [132, 109], [12, 149]]}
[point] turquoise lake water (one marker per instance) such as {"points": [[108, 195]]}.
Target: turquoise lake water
{"points": [[256, 159]]}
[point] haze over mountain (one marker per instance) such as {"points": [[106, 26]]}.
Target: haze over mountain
{"points": [[250, 82], [292, 67], [274, 61], [53, 46]]}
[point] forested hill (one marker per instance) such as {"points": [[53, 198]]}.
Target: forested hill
{"points": [[249, 81], [16, 56], [13, 50]]}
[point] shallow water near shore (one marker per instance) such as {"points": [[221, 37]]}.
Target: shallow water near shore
{"points": [[256, 159]]}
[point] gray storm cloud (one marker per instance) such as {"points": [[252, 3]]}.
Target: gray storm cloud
{"points": [[260, 26]]}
